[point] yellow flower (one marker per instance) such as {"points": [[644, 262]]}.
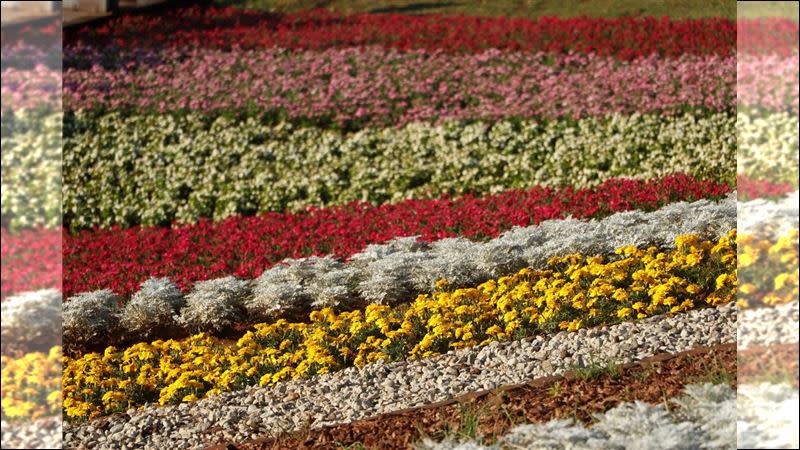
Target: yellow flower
{"points": [[113, 396], [686, 241], [780, 280], [494, 330], [721, 280], [620, 295], [510, 316], [532, 301], [574, 325], [693, 259], [745, 260]]}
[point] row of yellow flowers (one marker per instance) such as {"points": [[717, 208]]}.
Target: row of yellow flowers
{"points": [[510, 307], [768, 270], [570, 293], [31, 385]]}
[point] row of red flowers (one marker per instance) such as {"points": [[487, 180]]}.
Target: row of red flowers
{"points": [[625, 38], [773, 35], [245, 246], [749, 189], [31, 260], [45, 35]]}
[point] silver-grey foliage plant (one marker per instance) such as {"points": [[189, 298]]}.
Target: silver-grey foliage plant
{"points": [[90, 315], [152, 307], [214, 304], [396, 271], [31, 317], [706, 419]]}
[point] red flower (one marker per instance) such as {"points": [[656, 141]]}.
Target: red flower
{"points": [[749, 189], [625, 38], [246, 246]]}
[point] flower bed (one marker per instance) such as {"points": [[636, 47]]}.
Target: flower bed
{"points": [[768, 35], [31, 385], [750, 189], [353, 394], [184, 168], [768, 147], [39, 87], [387, 274], [34, 39], [768, 270], [31, 260], [570, 293], [352, 88], [768, 82], [26, 55], [624, 38], [245, 246], [31, 168]]}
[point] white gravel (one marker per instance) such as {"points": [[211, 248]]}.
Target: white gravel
{"points": [[41, 433], [768, 326], [354, 394], [706, 418]]}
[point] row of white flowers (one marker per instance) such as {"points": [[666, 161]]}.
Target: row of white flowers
{"points": [[173, 167], [768, 147], [31, 168], [153, 169], [389, 273]]}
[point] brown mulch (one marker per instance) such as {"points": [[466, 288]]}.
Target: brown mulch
{"points": [[771, 363], [575, 395]]}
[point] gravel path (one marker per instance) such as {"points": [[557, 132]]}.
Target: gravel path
{"points": [[353, 394], [706, 418], [768, 326], [42, 433]]}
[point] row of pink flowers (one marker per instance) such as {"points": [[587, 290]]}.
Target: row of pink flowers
{"points": [[770, 82], [31, 88], [378, 86]]}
